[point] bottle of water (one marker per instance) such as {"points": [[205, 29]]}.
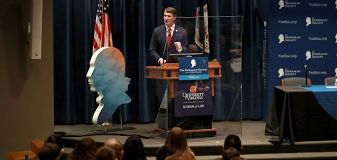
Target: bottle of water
{"points": [[336, 82]]}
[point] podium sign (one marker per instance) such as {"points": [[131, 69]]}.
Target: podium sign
{"points": [[193, 90], [193, 68], [192, 98]]}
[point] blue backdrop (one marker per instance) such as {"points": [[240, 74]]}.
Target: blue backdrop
{"points": [[299, 33]]}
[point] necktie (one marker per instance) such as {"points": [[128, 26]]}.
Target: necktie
{"points": [[169, 38]]}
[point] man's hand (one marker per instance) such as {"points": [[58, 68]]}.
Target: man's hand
{"points": [[161, 61]]}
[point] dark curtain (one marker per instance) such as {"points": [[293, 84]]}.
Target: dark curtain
{"points": [[252, 62], [73, 30], [132, 25]]}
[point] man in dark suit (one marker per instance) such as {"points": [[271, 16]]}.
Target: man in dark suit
{"points": [[168, 38]]}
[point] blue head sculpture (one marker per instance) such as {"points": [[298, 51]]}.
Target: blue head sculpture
{"points": [[106, 76]]}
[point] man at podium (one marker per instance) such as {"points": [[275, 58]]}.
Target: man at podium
{"points": [[168, 38]]}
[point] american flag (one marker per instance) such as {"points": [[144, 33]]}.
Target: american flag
{"points": [[102, 32]]}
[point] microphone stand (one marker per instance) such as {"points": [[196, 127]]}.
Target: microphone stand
{"points": [[164, 50], [306, 76]]}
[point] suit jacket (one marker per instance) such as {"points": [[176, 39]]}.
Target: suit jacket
{"points": [[158, 46]]}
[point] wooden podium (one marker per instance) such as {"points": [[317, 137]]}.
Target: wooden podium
{"points": [[170, 72]]}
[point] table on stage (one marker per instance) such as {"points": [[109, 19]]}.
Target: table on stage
{"points": [[303, 114]]}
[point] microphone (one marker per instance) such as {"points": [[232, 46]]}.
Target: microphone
{"points": [[165, 45], [164, 50], [306, 76]]}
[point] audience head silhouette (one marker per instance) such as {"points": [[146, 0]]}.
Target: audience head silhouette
{"points": [[233, 141], [117, 146], [85, 149], [55, 138], [177, 141], [105, 153], [49, 151], [229, 153], [134, 148]]}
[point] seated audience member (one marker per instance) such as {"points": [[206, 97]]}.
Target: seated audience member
{"points": [[134, 148], [105, 153], [177, 141], [163, 152], [117, 146], [176, 157], [84, 150], [238, 158], [49, 151], [230, 153], [57, 139], [233, 141]]}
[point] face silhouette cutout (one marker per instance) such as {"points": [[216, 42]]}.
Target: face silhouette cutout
{"points": [[281, 4], [106, 76], [308, 21], [193, 63], [280, 72], [307, 55], [280, 38]]}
